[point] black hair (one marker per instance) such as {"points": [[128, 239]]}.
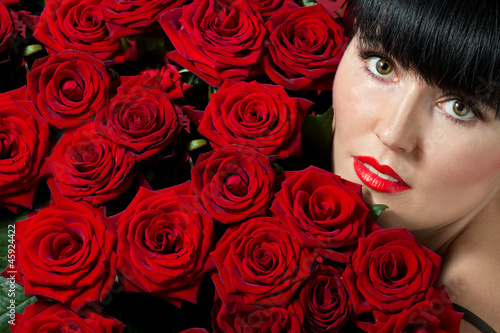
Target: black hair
{"points": [[452, 44]]}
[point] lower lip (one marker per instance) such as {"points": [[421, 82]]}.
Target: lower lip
{"points": [[375, 182]]}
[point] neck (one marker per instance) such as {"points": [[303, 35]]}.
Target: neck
{"points": [[483, 220]]}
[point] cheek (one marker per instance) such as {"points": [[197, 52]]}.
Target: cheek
{"points": [[356, 102], [355, 113], [349, 133], [464, 157], [462, 178], [477, 168]]}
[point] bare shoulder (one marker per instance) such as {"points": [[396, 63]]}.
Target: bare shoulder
{"points": [[471, 272]]}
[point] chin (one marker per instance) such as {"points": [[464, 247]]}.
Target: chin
{"points": [[391, 219], [388, 219]]}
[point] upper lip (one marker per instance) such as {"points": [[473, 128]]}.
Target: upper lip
{"points": [[382, 168]]}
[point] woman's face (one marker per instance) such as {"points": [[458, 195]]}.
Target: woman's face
{"points": [[426, 154]]}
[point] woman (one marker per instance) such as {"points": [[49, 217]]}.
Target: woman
{"points": [[417, 107]]}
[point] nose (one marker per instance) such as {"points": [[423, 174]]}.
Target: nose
{"points": [[398, 124]]}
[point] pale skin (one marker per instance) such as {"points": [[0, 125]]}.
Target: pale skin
{"points": [[447, 150]]}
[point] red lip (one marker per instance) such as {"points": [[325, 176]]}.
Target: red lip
{"points": [[375, 182]]}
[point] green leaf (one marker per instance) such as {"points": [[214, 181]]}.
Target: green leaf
{"points": [[152, 45], [32, 49], [317, 133], [11, 293], [114, 74], [307, 3], [195, 144], [192, 79], [211, 90], [279, 169], [125, 44], [376, 210]]}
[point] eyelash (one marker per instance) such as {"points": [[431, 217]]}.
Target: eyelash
{"points": [[367, 54], [373, 76], [469, 122]]}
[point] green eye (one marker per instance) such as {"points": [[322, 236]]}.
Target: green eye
{"points": [[460, 108], [383, 66]]}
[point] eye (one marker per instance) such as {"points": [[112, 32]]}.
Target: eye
{"points": [[459, 109], [381, 67]]}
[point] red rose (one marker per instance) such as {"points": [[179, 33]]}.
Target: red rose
{"points": [[323, 211], [234, 183], [215, 41], [337, 8], [66, 253], [130, 17], [68, 87], [164, 239], [195, 330], [255, 115], [259, 264], [390, 272], [434, 314], [142, 120], [79, 25], [24, 140], [54, 317], [264, 320], [325, 301], [87, 166], [165, 78], [305, 48], [267, 8], [8, 27]]}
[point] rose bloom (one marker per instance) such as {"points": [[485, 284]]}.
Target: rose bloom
{"points": [[255, 115], [323, 211], [259, 263], [68, 87], [263, 320], [215, 41], [434, 314], [234, 183], [335, 7], [165, 78], [141, 120], [164, 240], [390, 272], [8, 27], [66, 253], [87, 166], [54, 317], [79, 25], [305, 48], [135, 16], [24, 140], [195, 330], [325, 301], [267, 8]]}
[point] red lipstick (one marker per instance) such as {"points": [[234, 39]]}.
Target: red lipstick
{"points": [[381, 178]]}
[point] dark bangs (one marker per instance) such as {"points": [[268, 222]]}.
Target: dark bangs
{"points": [[452, 44]]}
